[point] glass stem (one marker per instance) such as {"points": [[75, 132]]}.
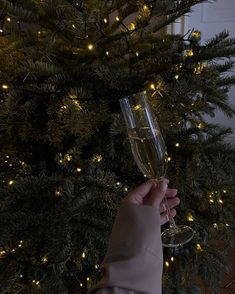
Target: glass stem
{"points": [[168, 212]]}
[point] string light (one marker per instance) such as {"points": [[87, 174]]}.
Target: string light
{"points": [[215, 225], [96, 266], [177, 77], [137, 107], [168, 158], [2, 252], [73, 25], [11, 182], [190, 217], [97, 157], [198, 246], [199, 68], [83, 254], [117, 18], [8, 19], [167, 264], [118, 183], [58, 193], [221, 201], [90, 47], [145, 7], [126, 189], [137, 53], [196, 34], [211, 200], [79, 169], [107, 53], [189, 53], [81, 284], [4, 86], [44, 259], [68, 157], [172, 259], [152, 86], [200, 126], [131, 26], [224, 191], [88, 279], [21, 276], [227, 225], [105, 20], [1, 31], [177, 144]]}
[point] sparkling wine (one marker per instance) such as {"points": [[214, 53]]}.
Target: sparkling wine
{"points": [[149, 151]]}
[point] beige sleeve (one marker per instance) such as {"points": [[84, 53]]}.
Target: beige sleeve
{"points": [[134, 260]]}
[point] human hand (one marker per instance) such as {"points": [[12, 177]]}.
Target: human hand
{"points": [[152, 193]]}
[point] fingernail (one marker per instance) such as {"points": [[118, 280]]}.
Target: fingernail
{"points": [[163, 187]]}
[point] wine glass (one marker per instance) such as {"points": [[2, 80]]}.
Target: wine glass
{"points": [[150, 154]]}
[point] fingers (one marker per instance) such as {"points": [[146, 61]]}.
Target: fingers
{"points": [[165, 218], [157, 193], [171, 193], [172, 202], [137, 195]]}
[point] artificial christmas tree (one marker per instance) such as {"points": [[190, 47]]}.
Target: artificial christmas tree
{"points": [[65, 157]]}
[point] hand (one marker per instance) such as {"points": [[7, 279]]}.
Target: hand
{"points": [[152, 193]]}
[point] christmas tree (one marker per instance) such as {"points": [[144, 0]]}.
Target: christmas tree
{"points": [[65, 157]]}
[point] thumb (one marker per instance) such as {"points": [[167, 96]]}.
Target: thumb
{"points": [[138, 194], [157, 193]]}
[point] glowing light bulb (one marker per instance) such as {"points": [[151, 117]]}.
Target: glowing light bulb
{"points": [[105, 20], [215, 225], [83, 254], [177, 144], [131, 26], [126, 189], [117, 18], [8, 19], [96, 266], [190, 217], [5, 87], [177, 77], [167, 264], [211, 200], [168, 158], [227, 225], [81, 284], [221, 201], [137, 53], [44, 259], [152, 86], [90, 47], [118, 183], [79, 169], [73, 25], [172, 258], [1, 31], [11, 182], [88, 279], [199, 248], [107, 53], [224, 191]]}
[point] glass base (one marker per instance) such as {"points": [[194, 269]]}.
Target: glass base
{"points": [[175, 237]]}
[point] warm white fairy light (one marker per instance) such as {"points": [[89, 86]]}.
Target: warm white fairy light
{"points": [[8, 19], [198, 246], [137, 53], [152, 86], [190, 217], [96, 266], [118, 183], [83, 254], [211, 201], [81, 284], [224, 191], [88, 279], [105, 20], [177, 144], [177, 77], [227, 225], [21, 276], [1, 31], [126, 189], [79, 169], [172, 258], [117, 18], [107, 53], [169, 158], [4, 86], [221, 201], [90, 47], [44, 259], [73, 25], [11, 182], [167, 264], [215, 225]]}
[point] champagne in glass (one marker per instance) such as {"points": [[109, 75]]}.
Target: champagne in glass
{"points": [[150, 154]]}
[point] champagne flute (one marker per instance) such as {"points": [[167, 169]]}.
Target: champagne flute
{"points": [[150, 154]]}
